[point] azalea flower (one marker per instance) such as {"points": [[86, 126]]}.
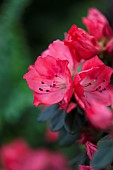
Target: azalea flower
{"points": [[100, 116], [51, 136], [14, 154], [93, 83], [58, 49], [90, 149], [83, 45], [109, 47], [50, 79], [85, 167], [19, 156], [97, 24]]}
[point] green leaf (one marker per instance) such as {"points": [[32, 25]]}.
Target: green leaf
{"points": [[55, 117], [56, 122], [111, 168], [73, 122], [79, 159], [48, 112], [104, 156], [67, 139]]}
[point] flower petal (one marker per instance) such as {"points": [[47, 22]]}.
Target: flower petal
{"points": [[51, 81]]}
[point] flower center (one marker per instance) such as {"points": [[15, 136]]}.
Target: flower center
{"points": [[52, 84], [93, 85]]}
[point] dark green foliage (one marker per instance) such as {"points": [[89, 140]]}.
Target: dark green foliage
{"points": [[104, 156], [80, 159], [65, 138], [55, 117], [73, 122], [56, 122], [48, 112]]}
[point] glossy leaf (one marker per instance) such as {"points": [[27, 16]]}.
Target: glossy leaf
{"points": [[73, 123], [104, 156], [67, 139], [48, 112], [56, 122]]}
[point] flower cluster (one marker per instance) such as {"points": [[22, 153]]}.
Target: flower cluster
{"points": [[75, 74], [54, 77], [19, 156]]}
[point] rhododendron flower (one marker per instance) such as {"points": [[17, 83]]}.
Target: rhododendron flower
{"points": [[109, 47], [45, 160], [70, 107], [90, 149], [13, 155], [83, 45], [85, 167], [100, 116], [93, 83], [85, 136], [16, 156], [97, 24], [51, 136], [51, 81], [59, 50]]}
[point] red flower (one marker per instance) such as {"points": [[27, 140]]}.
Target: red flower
{"points": [[109, 47], [85, 167], [92, 83], [85, 136], [81, 43], [97, 24], [59, 50], [51, 136], [50, 79], [90, 149], [18, 156], [45, 160], [14, 154], [100, 116]]}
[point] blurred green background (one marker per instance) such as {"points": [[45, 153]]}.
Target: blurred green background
{"points": [[26, 29]]}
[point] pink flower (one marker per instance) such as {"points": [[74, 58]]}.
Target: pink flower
{"points": [[85, 136], [71, 106], [90, 149], [100, 116], [18, 156], [109, 47], [59, 50], [97, 24], [85, 167], [50, 79], [13, 155], [81, 43], [45, 160], [51, 136], [93, 83]]}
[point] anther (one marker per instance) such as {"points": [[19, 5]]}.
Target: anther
{"points": [[89, 83], [40, 89], [47, 90], [54, 84], [42, 82], [96, 88], [99, 87], [50, 85], [49, 76], [104, 89], [104, 80], [56, 75], [101, 91]]}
